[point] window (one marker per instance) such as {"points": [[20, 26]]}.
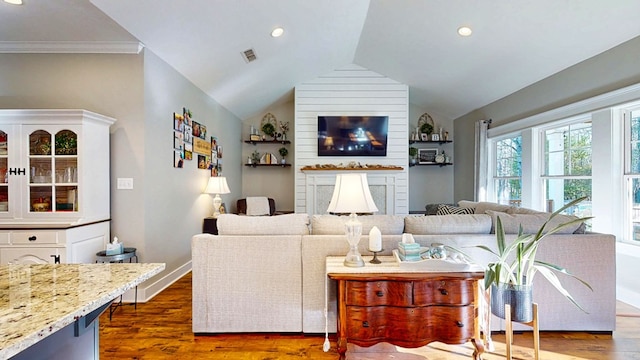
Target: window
{"points": [[632, 176], [507, 176], [567, 166]]}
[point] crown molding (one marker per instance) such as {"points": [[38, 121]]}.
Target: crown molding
{"points": [[71, 47]]}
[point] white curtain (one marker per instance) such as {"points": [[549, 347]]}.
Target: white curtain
{"points": [[481, 161]]}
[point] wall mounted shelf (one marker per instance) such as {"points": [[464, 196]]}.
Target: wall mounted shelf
{"points": [[434, 164], [254, 142], [440, 142], [276, 165]]}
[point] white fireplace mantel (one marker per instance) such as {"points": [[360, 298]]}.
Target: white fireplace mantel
{"points": [[383, 185]]}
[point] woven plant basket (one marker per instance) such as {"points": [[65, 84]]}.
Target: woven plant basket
{"points": [[519, 297]]}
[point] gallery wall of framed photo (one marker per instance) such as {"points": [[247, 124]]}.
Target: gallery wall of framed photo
{"points": [[190, 142]]}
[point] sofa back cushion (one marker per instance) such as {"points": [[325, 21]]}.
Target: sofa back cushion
{"points": [[481, 207], [531, 223], [334, 224], [287, 224], [448, 224]]}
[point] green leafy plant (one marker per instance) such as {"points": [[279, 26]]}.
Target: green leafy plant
{"points": [[413, 151], [255, 157], [426, 128], [283, 151], [516, 262], [268, 129]]}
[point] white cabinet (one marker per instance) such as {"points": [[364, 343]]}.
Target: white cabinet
{"points": [[77, 244], [32, 255], [54, 177]]}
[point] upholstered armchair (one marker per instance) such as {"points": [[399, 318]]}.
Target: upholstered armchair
{"points": [[241, 207]]}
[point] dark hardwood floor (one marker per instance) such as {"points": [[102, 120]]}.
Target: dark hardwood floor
{"points": [[161, 329]]}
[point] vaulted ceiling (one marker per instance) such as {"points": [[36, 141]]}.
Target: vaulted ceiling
{"points": [[514, 43]]}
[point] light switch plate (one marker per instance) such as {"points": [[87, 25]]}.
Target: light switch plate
{"points": [[125, 183]]}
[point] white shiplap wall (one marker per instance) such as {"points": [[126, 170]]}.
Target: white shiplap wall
{"points": [[351, 91]]}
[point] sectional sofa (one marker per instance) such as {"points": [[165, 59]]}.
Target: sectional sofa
{"points": [[267, 274]]}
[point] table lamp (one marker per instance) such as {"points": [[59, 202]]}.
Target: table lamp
{"points": [[328, 142], [217, 185], [351, 195]]}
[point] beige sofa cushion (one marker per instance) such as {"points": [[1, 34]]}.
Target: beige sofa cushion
{"points": [[531, 223], [287, 224], [334, 225], [448, 224]]}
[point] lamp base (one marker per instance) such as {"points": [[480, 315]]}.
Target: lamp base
{"points": [[217, 202], [353, 230], [353, 261]]}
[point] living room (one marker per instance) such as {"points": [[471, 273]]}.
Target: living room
{"points": [[166, 206]]}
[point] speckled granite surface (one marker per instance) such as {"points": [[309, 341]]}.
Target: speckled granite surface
{"points": [[38, 300]]}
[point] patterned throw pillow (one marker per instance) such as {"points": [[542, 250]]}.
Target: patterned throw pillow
{"points": [[454, 210]]}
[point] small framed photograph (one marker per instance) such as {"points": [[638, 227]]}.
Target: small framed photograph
{"points": [[427, 156], [424, 137], [435, 137], [255, 137]]}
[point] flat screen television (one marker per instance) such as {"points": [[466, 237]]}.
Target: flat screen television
{"points": [[352, 135]]}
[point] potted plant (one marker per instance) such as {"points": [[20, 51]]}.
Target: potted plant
{"points": [[510, 277], [255, 158], [413, 152], [283, 152], [269, 129]]}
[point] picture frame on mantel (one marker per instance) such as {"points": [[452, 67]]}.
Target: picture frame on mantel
{"points": [[427, 156]]}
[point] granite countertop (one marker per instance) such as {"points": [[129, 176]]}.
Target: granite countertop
{"points": [[38, 300]]}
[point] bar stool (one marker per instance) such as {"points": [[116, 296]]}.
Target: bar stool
{"points": [[127, 254]]}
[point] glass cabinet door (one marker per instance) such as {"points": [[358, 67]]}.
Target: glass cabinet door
{"points": [[53, 171]]}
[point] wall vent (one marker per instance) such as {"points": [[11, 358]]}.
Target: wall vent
{"points": [[249, 55]]}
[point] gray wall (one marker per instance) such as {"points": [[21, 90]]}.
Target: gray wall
{"points": [[173, 203], [431, 184], [606, 72], [273, 182], [166, 206]]}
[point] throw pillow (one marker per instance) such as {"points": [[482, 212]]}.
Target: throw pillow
{"points": [[454, 210]]}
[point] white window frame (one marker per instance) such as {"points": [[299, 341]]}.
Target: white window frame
{"points": [[627, 235], [492, 153], [584, 118]]}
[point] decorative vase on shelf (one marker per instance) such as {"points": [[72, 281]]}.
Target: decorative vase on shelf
{"points": [[283, 161]]}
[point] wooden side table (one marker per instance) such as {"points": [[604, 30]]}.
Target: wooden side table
{"points": [[386, 303], [210, 225]]}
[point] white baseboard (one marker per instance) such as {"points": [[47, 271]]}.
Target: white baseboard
{"points": [[147, 290], [626, 295], [629, 293]]}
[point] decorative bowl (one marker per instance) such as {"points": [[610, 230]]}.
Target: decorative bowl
{"points": [[40, 207]]}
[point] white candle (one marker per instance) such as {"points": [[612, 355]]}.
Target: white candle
{"points": [[375, 239]]}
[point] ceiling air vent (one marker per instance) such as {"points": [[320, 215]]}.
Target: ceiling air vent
{"points": [[249, 55]]}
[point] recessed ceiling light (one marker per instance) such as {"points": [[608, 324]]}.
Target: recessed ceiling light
{"points": [[464, 31], [14, 2], [277, 32]]}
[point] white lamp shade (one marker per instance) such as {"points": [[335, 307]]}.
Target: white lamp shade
{"points": [[351, 195], [217, 185]]}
